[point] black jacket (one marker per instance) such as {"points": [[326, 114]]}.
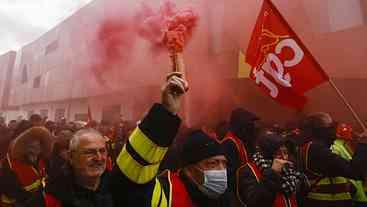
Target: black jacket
{"points": [[254, 193], [116, 189], [323, 161], [65, 190], [234, 161]]}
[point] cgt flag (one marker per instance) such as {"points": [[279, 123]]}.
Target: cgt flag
{"points": [[280, 63]]}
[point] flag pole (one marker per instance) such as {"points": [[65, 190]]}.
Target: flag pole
{"points": [[349, 106]]}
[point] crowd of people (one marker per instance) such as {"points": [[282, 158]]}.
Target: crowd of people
{"points": [[317, 163]]}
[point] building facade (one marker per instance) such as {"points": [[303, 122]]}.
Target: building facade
{"points": [[69, 69]]}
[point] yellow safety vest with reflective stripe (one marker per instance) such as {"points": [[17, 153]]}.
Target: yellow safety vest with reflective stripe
{"points": [[330, 190], [142, 174], [159, 197], [339, 147], [146, 149], [152, 154], [325, 190], [176, 190]]}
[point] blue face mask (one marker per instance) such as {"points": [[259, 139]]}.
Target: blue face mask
{"points": [[215, 183]]}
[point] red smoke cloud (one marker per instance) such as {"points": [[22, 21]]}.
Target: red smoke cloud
{"points": [[114, 42], [166, 28], [115, 38]]}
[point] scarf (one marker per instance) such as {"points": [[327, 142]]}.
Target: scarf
{"points": [[290, 177]]}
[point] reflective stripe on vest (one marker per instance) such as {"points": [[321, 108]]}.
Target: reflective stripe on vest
{"points": [[330, 189], [149, 151], [34, 185], [159, 198], [146, 148], [6, 200], [178, 195], [341, 148], [242, 152], [135, 171], [329, 197], [325, 189]]}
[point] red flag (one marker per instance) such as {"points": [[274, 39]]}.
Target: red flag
{"points": [[281, 64], [89, 115]]}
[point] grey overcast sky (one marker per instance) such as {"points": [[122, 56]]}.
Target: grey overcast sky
{"points": [[22, 21]]}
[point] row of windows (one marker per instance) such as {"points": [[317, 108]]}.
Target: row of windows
{"points": [[37, 81]]}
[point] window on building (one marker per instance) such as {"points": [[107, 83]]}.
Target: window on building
{"points": [[44, 113], [24, 74], [37, 82], [51, 47], [59, 114], [81, 117], [335, 15], [345, 14]]}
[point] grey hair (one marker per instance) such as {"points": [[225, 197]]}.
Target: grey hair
{"points": [[75, 140]]}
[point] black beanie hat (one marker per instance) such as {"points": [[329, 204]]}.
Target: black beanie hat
{"points": [[241, 117], [199, 146]]}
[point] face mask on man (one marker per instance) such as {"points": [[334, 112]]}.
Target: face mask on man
{"points": [[215, 183]]}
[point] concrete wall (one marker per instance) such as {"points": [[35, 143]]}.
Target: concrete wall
{"points": [[6, 72], [333, 30]]}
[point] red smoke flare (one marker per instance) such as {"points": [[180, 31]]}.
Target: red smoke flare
{"points": [[168, 27]]}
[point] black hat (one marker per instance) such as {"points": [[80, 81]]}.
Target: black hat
{"points": [[269, 143], [241, 116], [199, 146]]}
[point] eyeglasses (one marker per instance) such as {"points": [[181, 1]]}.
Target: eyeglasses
{"points": [[93, 152]]}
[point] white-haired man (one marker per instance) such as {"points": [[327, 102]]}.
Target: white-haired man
{"points": [[88, 183], [85, 181]]}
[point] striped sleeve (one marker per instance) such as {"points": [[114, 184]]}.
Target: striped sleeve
{"points": [[140, 158]]}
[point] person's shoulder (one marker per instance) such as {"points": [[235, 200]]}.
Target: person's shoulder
{"points": [[61, 182], [106, 179], [317, 147], [165, 175], [228, 142], [51, 201], [246, 170]]}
